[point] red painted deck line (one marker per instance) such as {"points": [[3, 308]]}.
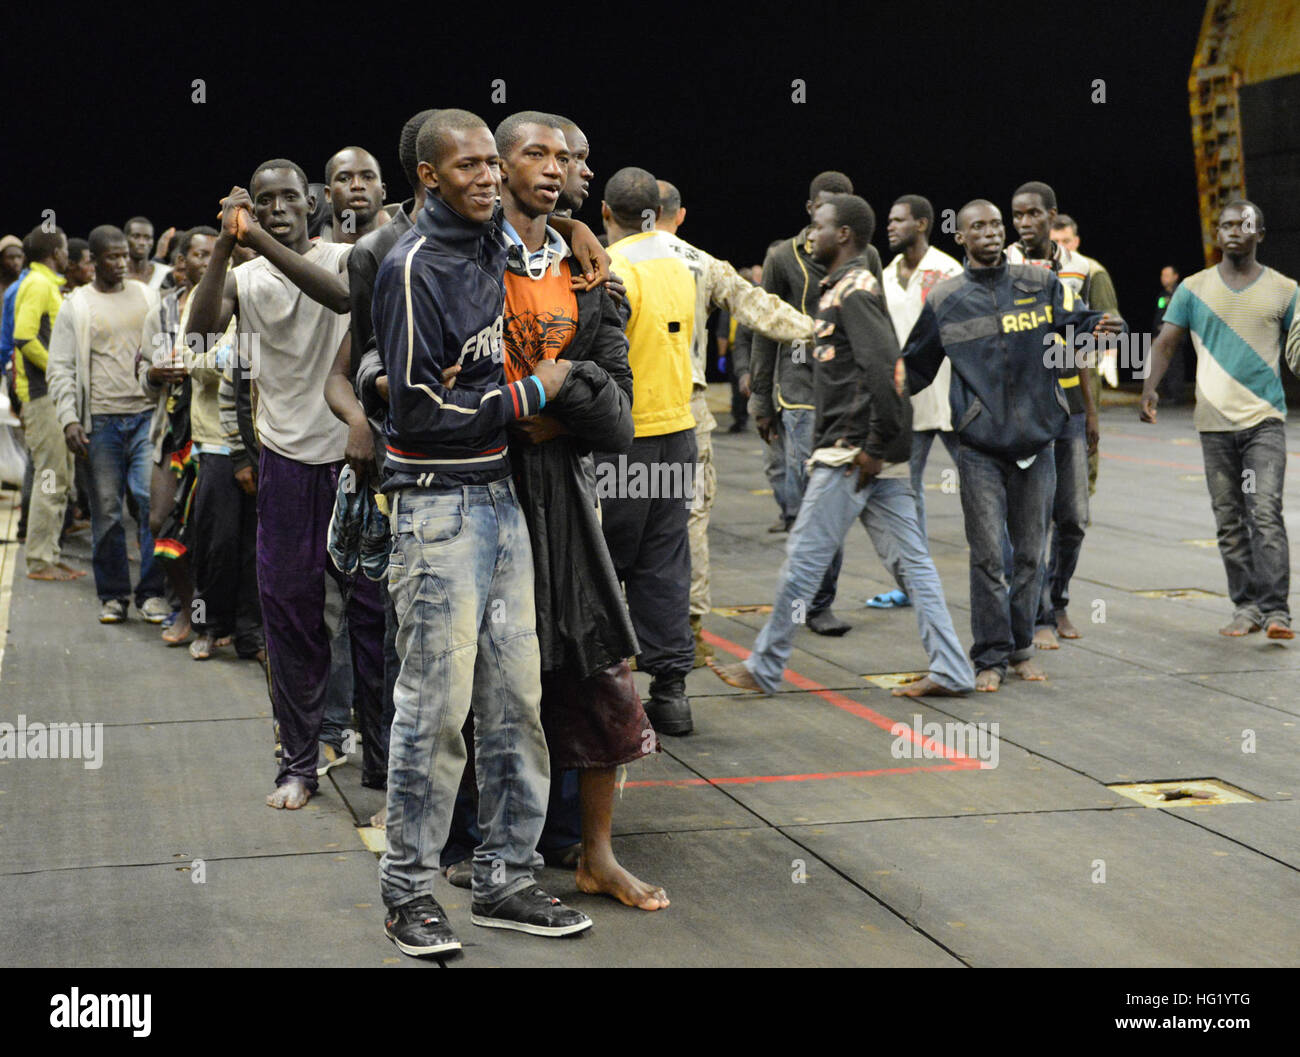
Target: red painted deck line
{"points": [[964, 764], [847, 704]]}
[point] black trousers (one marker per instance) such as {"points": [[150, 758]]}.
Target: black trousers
{"points": [[224, 556], [645, 498]]}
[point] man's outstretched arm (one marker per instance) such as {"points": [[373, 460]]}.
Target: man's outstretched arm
{"points": [[752, 306]]}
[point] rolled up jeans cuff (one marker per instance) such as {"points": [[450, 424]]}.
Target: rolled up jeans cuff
{"points": [[1020, 655], [759, 679]]}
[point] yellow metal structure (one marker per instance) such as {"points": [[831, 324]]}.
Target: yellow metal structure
{"points": [[1241, 42]]}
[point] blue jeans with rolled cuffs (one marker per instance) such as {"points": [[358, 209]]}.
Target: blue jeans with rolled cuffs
{"points": [[887, 509], [461, 578]]}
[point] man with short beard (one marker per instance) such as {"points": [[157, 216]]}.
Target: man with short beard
{"points": [[293, 301], [354, 188]]}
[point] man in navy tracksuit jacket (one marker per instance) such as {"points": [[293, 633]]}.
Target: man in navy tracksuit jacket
{"points": [[452, 269], [460, 571], [997, 323]]}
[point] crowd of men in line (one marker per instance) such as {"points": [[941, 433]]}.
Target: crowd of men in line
{"points": [[464, 395]]}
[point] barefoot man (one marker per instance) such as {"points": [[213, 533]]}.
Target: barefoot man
{"points": [[997, 324], [293, 300], [862, 445], [591, 712]]}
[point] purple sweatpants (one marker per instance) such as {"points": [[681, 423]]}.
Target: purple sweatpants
{"points": [[294, 504]]}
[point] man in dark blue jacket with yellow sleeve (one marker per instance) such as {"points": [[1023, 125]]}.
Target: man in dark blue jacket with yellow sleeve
{"points": [[999, 324]]}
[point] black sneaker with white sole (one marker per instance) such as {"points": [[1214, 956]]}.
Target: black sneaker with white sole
{"points": [[530, 910], [420, 928]]}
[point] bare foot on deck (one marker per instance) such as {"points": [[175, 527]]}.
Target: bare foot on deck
{"points": [[988, 681], [1240, 626], [736, 675], [178, 634], [1065, 627], [58, 573], [1278, 630], [290, 796], [1045, 639], [607, 877], [1029, 671], [926, 687]]}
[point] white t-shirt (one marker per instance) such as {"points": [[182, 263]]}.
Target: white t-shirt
{"points": [[840, 458], [930, 409], [292, 341]]}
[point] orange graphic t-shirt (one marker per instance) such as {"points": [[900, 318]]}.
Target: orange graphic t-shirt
{"points": [[541, 318]]}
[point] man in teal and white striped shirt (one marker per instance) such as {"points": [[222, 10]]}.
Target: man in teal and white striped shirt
{"points": [[1240, 315]]}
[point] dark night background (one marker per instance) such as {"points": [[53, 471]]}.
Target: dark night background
{"points": [[943, 100]]}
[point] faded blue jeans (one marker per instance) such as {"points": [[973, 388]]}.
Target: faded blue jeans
{"points": [[1245, 471], [887, 509], [999, 498], [461, 578], [121, 459], [921, 441]]}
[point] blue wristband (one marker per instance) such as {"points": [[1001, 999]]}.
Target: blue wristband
{"points": [[541, 391]]}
